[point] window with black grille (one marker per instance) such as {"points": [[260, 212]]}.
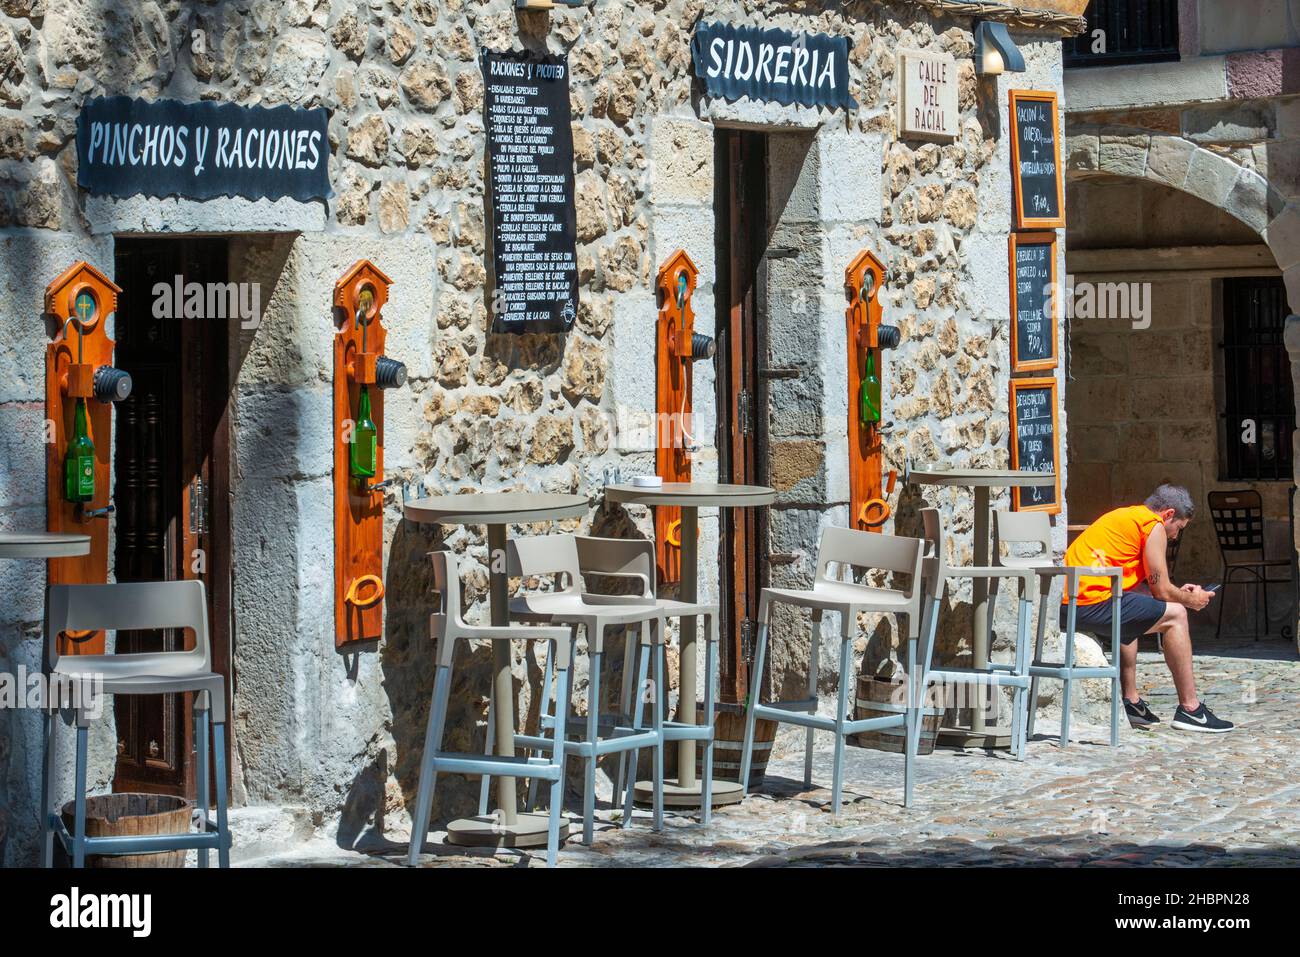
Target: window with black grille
{"points": [[1258, 413], [1131, 31]]}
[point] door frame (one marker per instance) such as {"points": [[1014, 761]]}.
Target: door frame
{"points": [[204, 432], [740, 203]]}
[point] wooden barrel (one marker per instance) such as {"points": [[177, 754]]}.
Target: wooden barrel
{"points": [[877, 698], [729, 742], [128, 814]]}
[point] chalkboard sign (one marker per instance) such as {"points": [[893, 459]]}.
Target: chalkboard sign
{"points": [[1036, 161], [130, 147], [1034, 443], [530, 169], [1034, 301]]}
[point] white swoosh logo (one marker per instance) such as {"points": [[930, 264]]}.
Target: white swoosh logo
{"points": [[1196, 719]]}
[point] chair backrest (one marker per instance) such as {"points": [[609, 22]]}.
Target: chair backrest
{"points": [[625, 558], [132, 606], [540, 555], [935, 565], [1022, 528], [851, 548], [1238, 517], [446, 582]]}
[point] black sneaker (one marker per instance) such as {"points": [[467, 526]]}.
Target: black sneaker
{"points": [[1202, 719], [1139, 715]]}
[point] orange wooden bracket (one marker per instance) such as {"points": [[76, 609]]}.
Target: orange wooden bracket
{"points": [[673, 394], [88, 297], [358, 512], [863, 280]]}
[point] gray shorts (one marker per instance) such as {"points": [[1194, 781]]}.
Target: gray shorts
{"points": [[1138, 611]]}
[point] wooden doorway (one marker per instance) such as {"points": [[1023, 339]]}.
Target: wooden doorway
{"points": [[740, 159], [171, 467]]}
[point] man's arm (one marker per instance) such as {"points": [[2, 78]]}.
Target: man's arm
{"points": [[1158, 581]]}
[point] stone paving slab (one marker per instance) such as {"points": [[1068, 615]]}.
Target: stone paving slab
{"points": [[1162, 798]]}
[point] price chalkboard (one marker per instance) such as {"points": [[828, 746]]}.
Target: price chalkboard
{"points": [[1034, 443], [530, 169], [1036, 161], [1034, 301]]}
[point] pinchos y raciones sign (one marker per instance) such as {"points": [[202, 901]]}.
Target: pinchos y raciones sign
{"points": [[927, 103], [128, 147], [773, 65]]}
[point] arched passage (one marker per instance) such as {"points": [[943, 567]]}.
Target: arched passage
{"points": [[1157, 394]]}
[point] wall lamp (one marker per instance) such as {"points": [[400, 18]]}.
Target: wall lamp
{"points": [[994, 51]]}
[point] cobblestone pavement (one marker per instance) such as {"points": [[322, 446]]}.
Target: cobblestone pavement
{"points": [[1164, 797]]}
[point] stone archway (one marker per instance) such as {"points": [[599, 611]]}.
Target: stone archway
{"points": [[1271, 209]]}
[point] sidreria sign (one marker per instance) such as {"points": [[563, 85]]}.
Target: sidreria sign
{"points": [[775, 65]]}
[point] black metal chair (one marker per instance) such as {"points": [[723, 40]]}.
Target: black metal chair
{"points": [[1239, 525]]}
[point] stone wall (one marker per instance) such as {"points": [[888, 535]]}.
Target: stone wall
{"points": [[339, 736]]}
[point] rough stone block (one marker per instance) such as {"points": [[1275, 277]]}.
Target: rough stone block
{"points": [[1210, 177], [1248, 200], [285, 434], [22, 455], [1082, 152], [1123, 154], [1168, 159], [681, 152], [1283, 238], [1237, 123], [849, 175]]}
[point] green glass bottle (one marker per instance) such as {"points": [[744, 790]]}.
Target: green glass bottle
{"points": [[79, 461], [365, 440], [869, 396]]}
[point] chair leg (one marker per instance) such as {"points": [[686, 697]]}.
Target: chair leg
{"points": [[223, 792], [542, 712], [841, 713], [557, 758], [79, 826], [658, 724], [1068, 639], [596, 659], [1018, 692], [428, 774], [911, 724], [1223, 598], [1115, 692], [1044, 609], [710, 682], [638, 718], [489, 742], [49, 732], [813, 667], [201, 792], [755, 686], [625, 706]]}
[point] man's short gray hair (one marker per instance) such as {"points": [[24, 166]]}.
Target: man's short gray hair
{"points": [[1171, 496]]}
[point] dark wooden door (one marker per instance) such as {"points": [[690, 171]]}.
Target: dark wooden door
{"points": [[741, 204], [171, 471]]}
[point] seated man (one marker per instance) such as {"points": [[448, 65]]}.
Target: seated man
{"points": [[1133, 538]]}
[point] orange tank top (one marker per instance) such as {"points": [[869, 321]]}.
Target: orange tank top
{"points": [[1116, 540]]}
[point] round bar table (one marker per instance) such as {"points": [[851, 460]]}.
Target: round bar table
{"points": [[43, 544], [981, 480], [690, 497], [498, 511]]}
